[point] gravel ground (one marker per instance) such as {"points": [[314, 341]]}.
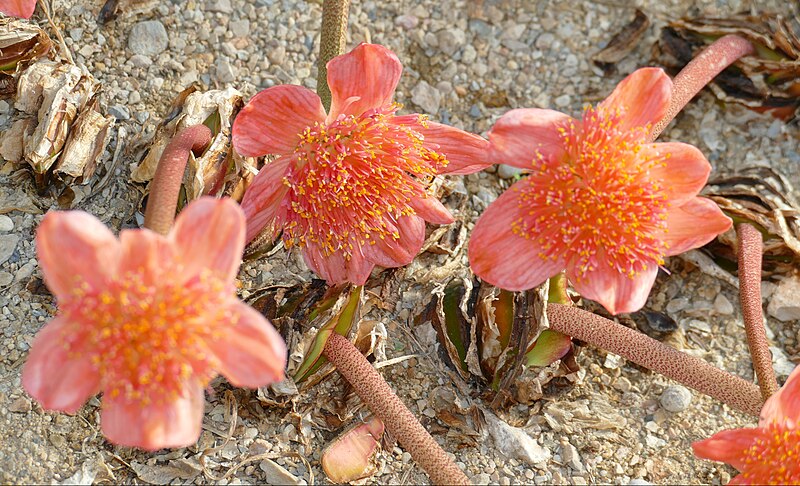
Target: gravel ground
{"points": [[466, 63]]}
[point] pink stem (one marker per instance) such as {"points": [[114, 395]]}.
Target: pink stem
{"points": [[750, 249], [166, 185], [699, 72], [382, 401], [647, 352]]}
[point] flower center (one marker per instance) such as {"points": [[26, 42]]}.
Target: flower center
{"points": [[148, 341], [774, 458], [596, 204], [353, 179]]}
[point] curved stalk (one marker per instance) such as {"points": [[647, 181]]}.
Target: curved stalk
{"points": [[398, 419], [749, 253], [645, 351], [166, 185], [699, 72], [332, 41]]}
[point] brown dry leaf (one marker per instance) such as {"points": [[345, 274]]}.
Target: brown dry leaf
{"points": [[767, 81], [219, 170], [85, 144], [623, 42], [21, 41]]}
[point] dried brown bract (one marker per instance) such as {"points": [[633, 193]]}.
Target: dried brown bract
{"points": [[20, 43], [766, 82], [623, 42]]}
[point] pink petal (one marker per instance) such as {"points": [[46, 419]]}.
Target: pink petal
{"points": [[251, 352], [694, 224], [335, 268], [147, 253], [209, 235], [784, 406], [75, 247], [154, 426], [728, 446], [389, 252], [519, 134], [643, 97], [273, 120], [18, 8], [363, 79], [502, 258], [264, 196], [432, 210], [684, 170], [59, 379], [466, 153], [616, 291]]}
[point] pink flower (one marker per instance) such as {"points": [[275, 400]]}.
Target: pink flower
{"points": [[148, 320], [769, 453], [350, 186], [18, 8], [599, 201]]}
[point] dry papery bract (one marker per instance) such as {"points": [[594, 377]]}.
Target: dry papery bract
{"points": [[766, 81], [219, 170], [764, 197], [20, 43], [59, 130]]}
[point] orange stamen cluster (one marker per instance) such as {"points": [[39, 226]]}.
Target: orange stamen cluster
{"points": [[774, 457], [353, 179], [596, 204], [148, 341]]}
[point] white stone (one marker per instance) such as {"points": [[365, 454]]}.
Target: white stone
{"points": [[426, 97], [722, 305], [675, 398], [148, 38], [785, 302], [514, 442], [7, 245], [6, 224]]}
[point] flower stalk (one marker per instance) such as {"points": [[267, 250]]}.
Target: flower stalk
{"points": [[332, 40], [166, 185], [749, 253], [384, 403], [645, 351], [699, 72]]}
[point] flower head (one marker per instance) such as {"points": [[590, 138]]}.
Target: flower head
{"points": [[350, 187], [599, 199], [148, 320], [769, 453], [18, 8]]}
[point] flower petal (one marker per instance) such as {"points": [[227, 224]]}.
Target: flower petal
{"points": [[784, 406], [505, 259], [334, 268], [519, 134], [616, 291], [209, 235], [57, 377], [73, 247], [264, 196], [728, 446], [273, 120], [18, 8], [643, 98], [389, 252], [683, 171], [693, 224], [432, 210], [251, 352], [466, 153], [147, 253], [362, 79], [155, 426]]}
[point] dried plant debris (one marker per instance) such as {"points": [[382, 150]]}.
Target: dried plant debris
{"points": [[353, 455], [60, 131], [623, 42], [20, 43], [497, 338], [219, 170], [763, 197], [768, 81]]}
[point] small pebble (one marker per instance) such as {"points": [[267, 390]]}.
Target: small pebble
{"points": [[148, 38], [675, 398], [6, 224]]}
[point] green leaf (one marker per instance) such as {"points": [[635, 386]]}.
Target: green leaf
{"points": [[548, 348]]}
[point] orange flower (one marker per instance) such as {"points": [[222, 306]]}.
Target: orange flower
{"points": [[350, 186], [18, 8], [769, 453], [599, 201], [148, 320]]}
